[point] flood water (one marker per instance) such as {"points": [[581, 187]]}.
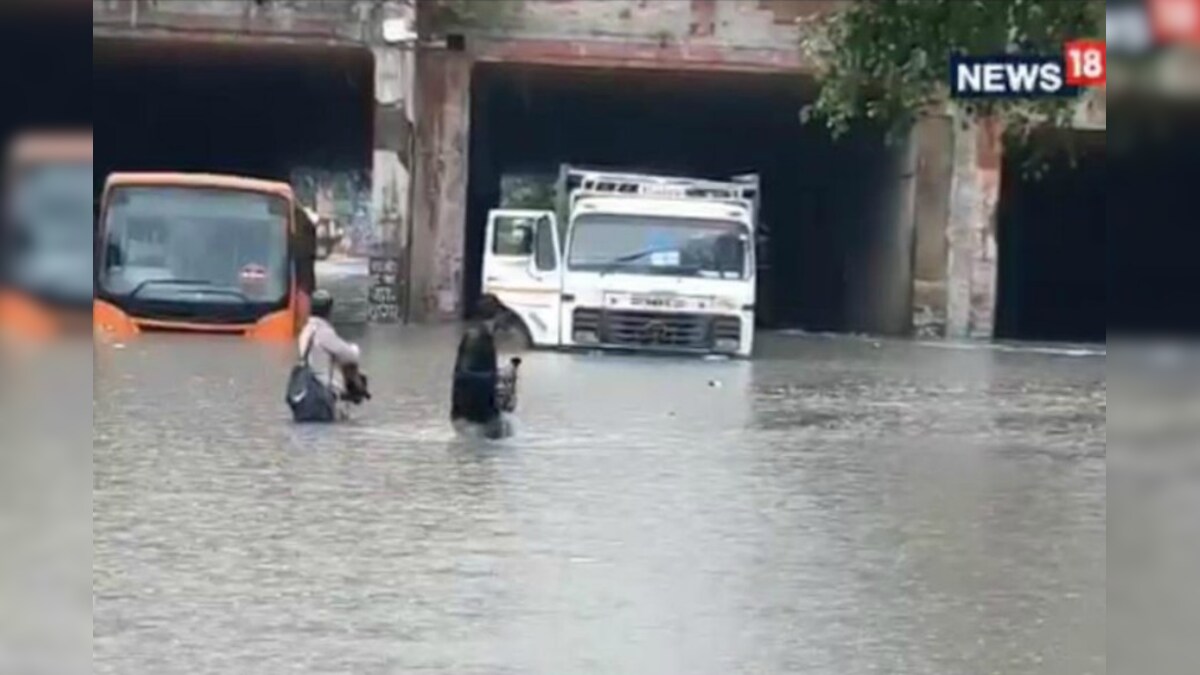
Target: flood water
{"points": [[835, 506]]}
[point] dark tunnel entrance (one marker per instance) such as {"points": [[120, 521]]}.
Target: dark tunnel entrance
{"points": [[837, 258], [1050, 230], [264, 111], [1153, 276], [44, 81]]}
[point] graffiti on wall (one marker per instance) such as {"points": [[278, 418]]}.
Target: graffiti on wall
{"points": [[344, 197]]}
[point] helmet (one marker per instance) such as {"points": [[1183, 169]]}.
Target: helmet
{"points": [[322, 303]]}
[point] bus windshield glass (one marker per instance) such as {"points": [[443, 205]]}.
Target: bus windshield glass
{"points": [[192, 245], [48, 230], [662, 245]]}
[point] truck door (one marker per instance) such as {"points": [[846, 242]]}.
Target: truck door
{"points": [[522, 267]]}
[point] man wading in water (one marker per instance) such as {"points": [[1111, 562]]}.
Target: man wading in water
{"points": [[482, 392], [327, 377]]}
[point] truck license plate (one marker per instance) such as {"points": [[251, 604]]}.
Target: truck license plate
{"points": [[667, 302]]}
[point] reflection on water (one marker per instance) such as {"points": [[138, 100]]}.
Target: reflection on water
{"points": [[836, 506]]}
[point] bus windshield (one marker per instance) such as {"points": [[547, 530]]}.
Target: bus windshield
{"points": [[188, 246], [48, 235], [663, 245]]}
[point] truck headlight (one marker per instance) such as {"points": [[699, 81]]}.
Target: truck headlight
{"points": [[586, 337], [727, 345], [727, 305]]}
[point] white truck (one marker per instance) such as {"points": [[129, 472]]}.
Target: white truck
{"points": [[630, 262]]}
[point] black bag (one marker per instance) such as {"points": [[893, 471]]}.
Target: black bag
{"points": [[309, 399], [358, 387]]}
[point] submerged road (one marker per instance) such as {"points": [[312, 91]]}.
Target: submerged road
{"points": [[835, 507]]}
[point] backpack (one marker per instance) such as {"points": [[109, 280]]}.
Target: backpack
{"points": [[309, 399]]}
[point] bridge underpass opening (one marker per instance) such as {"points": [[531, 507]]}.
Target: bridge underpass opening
{"points": [[838, 257], [1050, 236], [257, 110], [45, 84], [1153, 275]]}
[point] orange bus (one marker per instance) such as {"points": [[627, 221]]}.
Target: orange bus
{"points": [[46, 235], [201, 253]]}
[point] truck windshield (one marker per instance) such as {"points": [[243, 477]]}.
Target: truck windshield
{"points": [[659, 245], [48, 233], [196, 245]]}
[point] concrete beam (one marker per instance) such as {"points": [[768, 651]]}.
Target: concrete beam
{"points": [[654, 55], [732, 35], [217, 19]]}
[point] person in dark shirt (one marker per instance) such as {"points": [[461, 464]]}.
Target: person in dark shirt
{"points": [[475, 406]]}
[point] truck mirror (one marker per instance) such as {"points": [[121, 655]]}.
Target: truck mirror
{"points": [[545, 257]]}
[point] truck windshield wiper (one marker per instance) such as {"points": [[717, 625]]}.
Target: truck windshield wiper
{"points": [[613, 264], [203, 286]]}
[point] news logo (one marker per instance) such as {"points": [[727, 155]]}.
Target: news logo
{"points": [[1009, 76], [1083, 63]]}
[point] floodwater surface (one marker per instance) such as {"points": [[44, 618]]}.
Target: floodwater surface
{"points": [[837, 506]]}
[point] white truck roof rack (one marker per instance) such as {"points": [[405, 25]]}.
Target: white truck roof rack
{"points": [[578, 182]]}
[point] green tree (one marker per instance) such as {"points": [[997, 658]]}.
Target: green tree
{"points": [[887, 60], [447, 15]]}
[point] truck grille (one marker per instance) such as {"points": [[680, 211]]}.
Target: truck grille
{"points": [[657, 330]]}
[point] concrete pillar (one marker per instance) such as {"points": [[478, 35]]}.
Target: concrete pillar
{"points": [[879, 285], [974, 195], [440, 198], [390, 173], [934, 140], [392, 159]]}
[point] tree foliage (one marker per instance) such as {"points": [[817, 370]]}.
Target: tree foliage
{"points": [[887, 61], [448, 15]]}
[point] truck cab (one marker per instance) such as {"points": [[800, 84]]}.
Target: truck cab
{"points": [[630, 262]]}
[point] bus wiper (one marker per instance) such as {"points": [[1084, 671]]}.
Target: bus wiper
{"points": [[166, 282], [203, 286]]}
